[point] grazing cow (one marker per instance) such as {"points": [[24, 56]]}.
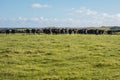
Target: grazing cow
{"points": [[38, 31], [101, 32], [80, 31], [33, 31], [92, 31], [55, 31], [0, 31], [27, 31], [85, 31], [66, 30], [13, 31], [7, 31], [109, 32], [96, 31], [62, 31], [75, 31], [70, 31], [47, 30]]}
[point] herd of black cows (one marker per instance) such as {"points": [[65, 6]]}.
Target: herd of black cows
{"points": [[55, 31]]}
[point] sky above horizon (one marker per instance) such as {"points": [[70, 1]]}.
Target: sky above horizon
{"points": [[59, 13]]}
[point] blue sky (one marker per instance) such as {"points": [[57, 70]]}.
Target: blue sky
{"points": [[61, 13]]}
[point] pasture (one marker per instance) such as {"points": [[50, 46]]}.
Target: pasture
{"points": [[59, 57]]}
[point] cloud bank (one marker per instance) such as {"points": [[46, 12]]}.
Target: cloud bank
{"points": [[94, 18], [76, 17]]}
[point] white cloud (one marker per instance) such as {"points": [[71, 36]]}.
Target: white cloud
{"points": [[22, 19], [107, 15], [118, 15], [37, 5], [84, 11]]}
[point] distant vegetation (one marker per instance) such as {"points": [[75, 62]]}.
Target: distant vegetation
{"points": [[59, 57]]}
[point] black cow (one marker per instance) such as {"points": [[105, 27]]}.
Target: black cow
{"points": [[47, 31], [27, 31], [13, 31], [70, 31], [101, 32], [7, 31], [33, 31], [109, 32]]}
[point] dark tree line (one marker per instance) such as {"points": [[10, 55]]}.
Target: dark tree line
{"points": [[56, 31]]}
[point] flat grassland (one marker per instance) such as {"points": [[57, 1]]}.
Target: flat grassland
{"points": [[59, 57]]}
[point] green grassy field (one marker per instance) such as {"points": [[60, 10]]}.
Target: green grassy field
{"points": [[59, 57]]}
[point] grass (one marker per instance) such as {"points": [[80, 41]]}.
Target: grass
{"points": [[59, 57]]}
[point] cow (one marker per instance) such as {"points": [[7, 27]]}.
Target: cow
{"points": [[7, 31]]}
